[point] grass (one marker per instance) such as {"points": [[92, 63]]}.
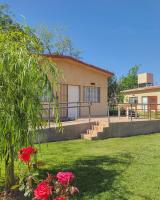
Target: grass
{"points": [[113, 169]]}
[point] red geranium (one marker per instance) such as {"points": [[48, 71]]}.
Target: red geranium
{"points": [[60, 198], [24, 157], [25, 153], [43, 191], [65, 177], [30, 150]]}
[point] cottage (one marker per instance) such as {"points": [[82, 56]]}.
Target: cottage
{"points": [[147, 95], [80, 84]]}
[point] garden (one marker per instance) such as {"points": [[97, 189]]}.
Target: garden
{"points": [[120, 168]]}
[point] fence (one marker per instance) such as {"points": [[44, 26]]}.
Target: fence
{"points": [[63, 110], [134, 111], [130, 111]]}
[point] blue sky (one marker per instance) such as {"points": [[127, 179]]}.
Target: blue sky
{"points": [[113, 34]]}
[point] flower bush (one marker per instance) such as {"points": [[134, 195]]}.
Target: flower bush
{"points": [[28, 176], [25, 154], [58, 187]]}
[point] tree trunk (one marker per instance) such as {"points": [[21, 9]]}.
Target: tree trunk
{"points": [[9, 166]]}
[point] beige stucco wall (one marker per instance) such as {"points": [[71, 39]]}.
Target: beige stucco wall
{"points": [[141, 94], [77, 74]]}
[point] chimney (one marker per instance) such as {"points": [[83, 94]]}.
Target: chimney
{"points": [[145, 80]]}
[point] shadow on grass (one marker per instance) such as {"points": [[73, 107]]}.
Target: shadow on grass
{"points": [[99, 176]]}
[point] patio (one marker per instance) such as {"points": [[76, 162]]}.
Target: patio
{"points": [[96, 120]]}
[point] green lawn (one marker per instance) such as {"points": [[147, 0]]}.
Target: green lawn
{"points": [[113, 169]]}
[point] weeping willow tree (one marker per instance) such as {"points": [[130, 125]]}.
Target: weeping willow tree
{"points": [[23, 78]]}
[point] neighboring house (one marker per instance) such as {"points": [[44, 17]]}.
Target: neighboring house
{"points": [[147, 95], [83, 83]]}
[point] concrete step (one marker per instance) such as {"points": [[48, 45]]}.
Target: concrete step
{"points": [[97, 128], [92, 132], [86, 136], [91, 136], [95, 131], [105, 124]]}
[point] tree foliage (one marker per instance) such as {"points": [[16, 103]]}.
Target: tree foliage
{"points": [[112, 89], [55, 42], [5, 16], [23, 77], [129, 81]]}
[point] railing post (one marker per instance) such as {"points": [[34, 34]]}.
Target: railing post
{"points": [[144, 110], [136, 114], [127, 111], [108, 115], [89, 112], [150, 117], [131, 113], [156, 107], [77, 110], [49, 114], [119, 112]]}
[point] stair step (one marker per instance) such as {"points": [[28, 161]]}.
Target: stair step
{"points": [[86, 137], [97, 128], [103, 123], [94, 132]]}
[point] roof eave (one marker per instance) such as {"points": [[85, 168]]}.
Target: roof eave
{"points": [[105, 72]]}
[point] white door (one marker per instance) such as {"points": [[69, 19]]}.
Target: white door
{"points": [[73, 99], [145, 103]]}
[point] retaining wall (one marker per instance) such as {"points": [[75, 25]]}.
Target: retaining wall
{"points": [[69, 132], [125, 129]]}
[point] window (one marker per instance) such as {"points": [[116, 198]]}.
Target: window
{"points": [[91, 94], [133, 100]]}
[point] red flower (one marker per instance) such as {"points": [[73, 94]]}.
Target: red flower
{"points": [[24, 153], [43, 191], [60, 198], [30, 150], [65, 177], [24, 157]]}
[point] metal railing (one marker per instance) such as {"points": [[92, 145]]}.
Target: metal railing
{"points": [[63, 107], [134, 111]]}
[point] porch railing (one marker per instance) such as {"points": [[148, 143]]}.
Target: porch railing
{"points": [[63, 107], [134, 111]]}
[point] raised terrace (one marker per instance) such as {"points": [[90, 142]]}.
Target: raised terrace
{"points": [[99, 128]]}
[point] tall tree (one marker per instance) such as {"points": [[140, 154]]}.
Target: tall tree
{"points": [[23, 78], [55, 42], [129, 81], [115, 86], [112, 89], [5, 16]]}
